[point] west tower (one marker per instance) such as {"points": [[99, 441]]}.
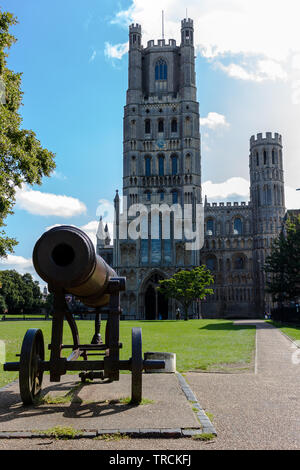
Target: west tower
{"points": [[161, 164]]}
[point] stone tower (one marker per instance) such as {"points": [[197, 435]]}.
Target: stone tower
{"points": [[267, 197], [161, 166]]}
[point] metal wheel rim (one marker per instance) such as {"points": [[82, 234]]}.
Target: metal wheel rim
{"points": [[31, 376], [136, 366]]}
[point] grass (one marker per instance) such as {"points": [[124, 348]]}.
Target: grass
{"points": [[111, 437], [203, 437], [61, 432], [198, 344], [70, 397], [292, 331]]}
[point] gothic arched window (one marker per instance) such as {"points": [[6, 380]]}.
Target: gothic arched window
{"points": [[161, 194], [239, 262], [161, 70], [148, 195], [174, 125], [161, 165], [147, 126], [160, 125], [147, 166], [211, 263], [174, 161], [174, 196], [210, 227], [238, 226]]}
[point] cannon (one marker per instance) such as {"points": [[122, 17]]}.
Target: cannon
{"points": [[65, 258]]}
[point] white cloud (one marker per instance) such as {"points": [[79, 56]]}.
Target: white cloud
{"points": [[237, 189], [214, 120], [22, 266], [123, 17], [263, 70], [17, 261], [90, 229], [105, 209], [115, 51], [233, 186], [39, 203], [266, 32]]}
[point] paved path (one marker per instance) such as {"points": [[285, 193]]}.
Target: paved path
{"points": [[259, 410], [97, 407], [255, 410]]}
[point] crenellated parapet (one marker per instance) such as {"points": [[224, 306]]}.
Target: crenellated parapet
{"points": [[187, 23], [228, 205], [268, 138], [135, 28], [161, 43]]}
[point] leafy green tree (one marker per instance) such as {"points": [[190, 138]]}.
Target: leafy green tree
{"points": [[3, 306], [22, 158], [188, 286], [283, 264], [20, 293], [49, 303]]}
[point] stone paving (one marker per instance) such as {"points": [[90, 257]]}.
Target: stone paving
{"points": [[258, 409], [98, 408]]}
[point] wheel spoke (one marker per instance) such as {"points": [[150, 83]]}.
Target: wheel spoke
{"points": [[136, 366]]}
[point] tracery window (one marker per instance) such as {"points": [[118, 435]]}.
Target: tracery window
{"points": [[161, 70]]}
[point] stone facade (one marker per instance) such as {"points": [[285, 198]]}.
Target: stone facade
{"points": [[162, 165]]}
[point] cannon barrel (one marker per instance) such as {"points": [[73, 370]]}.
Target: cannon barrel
{"points": [[65, 258]]}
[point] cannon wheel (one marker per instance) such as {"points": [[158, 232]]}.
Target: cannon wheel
{"points": [[136, 366], [31, 375]]}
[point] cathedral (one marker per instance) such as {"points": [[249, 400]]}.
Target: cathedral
{"points": [[161, 171]]}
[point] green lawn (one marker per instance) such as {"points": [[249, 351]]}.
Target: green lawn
{"points": [[198, 344], [292, 331]]}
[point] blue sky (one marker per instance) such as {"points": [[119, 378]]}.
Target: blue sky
{"points": [[74, 63]]}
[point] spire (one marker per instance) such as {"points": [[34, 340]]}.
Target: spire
{"points": [[117, 197], [107, 236], [100, 232]]}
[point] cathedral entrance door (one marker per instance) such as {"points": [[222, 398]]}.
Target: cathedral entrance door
{"points": [[156, 305], [150, 303]]}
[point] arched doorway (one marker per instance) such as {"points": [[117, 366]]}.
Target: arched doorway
{"points": [[156, 304], [150, 310]]}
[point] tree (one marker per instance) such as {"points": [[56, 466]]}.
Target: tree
{"points": [[3, 306], [22, 158], [187, 286], [283, 264], [19, 293]]}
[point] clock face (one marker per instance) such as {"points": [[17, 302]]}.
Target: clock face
{"points": [[160, 144]]}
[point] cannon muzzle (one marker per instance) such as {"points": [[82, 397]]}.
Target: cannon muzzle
{"points": [[65, 258]]}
